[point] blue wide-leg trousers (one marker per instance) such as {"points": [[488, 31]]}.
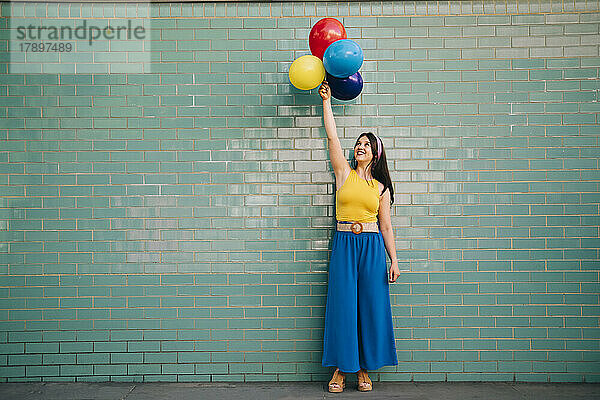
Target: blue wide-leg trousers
{"points": [[358, 318]]}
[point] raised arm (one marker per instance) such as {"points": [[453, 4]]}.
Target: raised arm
{"points": [[340, 165]]}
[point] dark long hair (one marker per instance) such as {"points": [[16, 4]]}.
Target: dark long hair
{"points": [[379, 168]]}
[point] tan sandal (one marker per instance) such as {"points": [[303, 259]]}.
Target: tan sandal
{"points": [[338, 378], [364, 383]]}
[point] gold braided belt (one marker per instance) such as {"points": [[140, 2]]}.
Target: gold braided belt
{"points": [[357, 227]]}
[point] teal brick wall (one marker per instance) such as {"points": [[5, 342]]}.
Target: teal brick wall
{"points": [[174, 224]]}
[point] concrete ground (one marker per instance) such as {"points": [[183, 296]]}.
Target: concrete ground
{"points": [[297, 390]]}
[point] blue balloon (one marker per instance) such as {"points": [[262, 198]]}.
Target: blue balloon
{"points": [[345, 88], [343, 58]]}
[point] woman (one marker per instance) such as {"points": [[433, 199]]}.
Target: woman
{"points": [[358, 320]]}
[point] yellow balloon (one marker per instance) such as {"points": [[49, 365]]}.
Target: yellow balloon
{"points": [[307, 72]]}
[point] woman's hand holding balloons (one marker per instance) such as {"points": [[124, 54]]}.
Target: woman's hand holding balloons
{"points": [[334, 54], [325, 91]]}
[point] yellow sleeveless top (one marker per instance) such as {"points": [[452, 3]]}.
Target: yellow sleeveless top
{"points": [[357, 200]]}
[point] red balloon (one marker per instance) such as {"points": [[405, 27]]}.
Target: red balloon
{"points": [[323, 33]]}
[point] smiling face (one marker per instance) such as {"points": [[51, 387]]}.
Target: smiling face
{"points": [[363, 153]]}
